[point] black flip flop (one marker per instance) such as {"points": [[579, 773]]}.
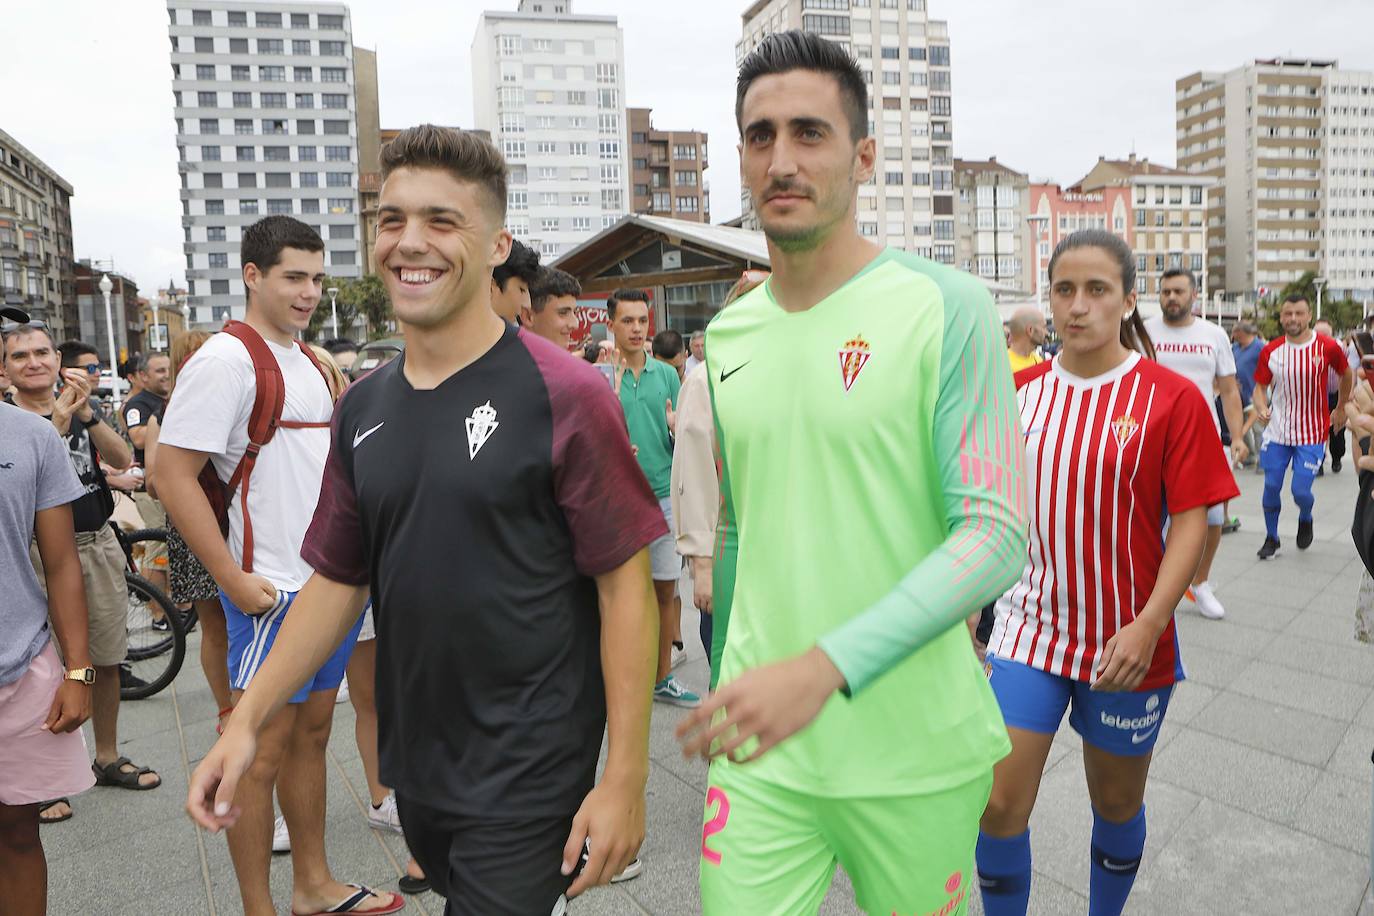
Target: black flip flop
{"points": [[409, 885], [44, 806]]}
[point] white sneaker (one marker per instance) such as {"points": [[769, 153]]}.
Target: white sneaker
{"points": [[1207, 603], [281, 840], [677, 657], [631, 871], [384, 817], [342, 695]]}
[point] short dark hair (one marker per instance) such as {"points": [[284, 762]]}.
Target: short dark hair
{"points": [[591, 350], [1178, 272], [552, 283], [337, 345], [464, 155], [522, 262], [264, 241], [667, 344], [1297, 297], [72, 350], [624, 295], [782, 52]]}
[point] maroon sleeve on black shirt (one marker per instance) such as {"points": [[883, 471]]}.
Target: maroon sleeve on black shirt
{"points": [[611, 511], [334, 542]]}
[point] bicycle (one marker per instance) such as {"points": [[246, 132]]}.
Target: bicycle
{"points": [[189, 617], [155, 654]]}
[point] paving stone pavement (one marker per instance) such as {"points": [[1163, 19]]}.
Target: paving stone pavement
{"points": [[1259, 799]]}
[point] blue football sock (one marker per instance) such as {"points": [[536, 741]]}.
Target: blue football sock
{"points": [[1116, 851], [1004, 873]]}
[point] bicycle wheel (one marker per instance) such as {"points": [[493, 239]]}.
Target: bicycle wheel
{"points": [[155, 656], [159, 535]]}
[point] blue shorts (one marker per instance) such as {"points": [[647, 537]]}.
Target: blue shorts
{"points": [[1125, 724], [250, 638]]}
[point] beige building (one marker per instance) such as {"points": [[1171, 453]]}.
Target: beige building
{"points": [[991, 205], [904, 56], [1169, 210], [166, 313], [36, 268], [667, 170], [1289, 142]]}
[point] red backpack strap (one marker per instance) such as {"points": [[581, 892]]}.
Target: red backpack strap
{"points": [[268, 400]]}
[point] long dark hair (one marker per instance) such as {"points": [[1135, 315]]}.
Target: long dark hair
{"points": [[1133, 333]]}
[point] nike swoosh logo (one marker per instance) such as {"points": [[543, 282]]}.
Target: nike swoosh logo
{"points": [[725, 375], [359, 437], [1136, 737], [1119, 866]]}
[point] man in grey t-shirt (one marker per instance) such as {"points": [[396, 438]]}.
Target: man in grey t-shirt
{"points": [[42, 706]]}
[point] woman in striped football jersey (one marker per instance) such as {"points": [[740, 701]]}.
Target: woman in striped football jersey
{"points": [[1115, 445]]}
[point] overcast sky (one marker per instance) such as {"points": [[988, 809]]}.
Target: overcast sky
{"points": [[1045, 85]]}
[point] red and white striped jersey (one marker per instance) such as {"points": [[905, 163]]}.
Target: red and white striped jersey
{"points": [[1296, 376], [1105, 458]]}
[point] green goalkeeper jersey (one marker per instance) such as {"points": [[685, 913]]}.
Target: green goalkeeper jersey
{"points": [[873, 472]]}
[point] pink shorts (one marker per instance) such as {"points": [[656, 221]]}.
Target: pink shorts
{"points": [[36, 765]]}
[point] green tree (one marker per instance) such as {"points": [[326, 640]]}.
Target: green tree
{"points": [[321, 325], [368, 296]]}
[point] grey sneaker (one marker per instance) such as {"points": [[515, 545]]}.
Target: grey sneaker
{"points": [[670, 691]]}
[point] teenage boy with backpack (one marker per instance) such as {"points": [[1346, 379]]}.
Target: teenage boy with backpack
{"points": [[227, 397]]}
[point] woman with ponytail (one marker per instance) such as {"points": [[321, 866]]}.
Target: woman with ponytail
{"points": [[1115, 445]]}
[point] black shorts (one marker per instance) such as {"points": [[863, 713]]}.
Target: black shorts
{"points": [[489, 867]]}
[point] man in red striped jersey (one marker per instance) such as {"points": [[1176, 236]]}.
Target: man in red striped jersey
{"points": [[1290, 396]]}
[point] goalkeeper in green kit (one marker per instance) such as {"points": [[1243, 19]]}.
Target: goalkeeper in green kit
{"points": [[872, 465]]}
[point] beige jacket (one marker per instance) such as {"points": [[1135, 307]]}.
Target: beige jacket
{"points": [[695, 486]]}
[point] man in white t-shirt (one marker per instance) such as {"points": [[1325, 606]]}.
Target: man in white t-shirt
{"points": [[207, 420], [1201, 352]]}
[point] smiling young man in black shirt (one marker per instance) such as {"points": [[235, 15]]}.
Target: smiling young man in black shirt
{"points": [[467, 491]]}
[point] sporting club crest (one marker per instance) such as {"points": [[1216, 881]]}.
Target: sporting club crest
{"points": [[854, 355], [1123, 428], [480, 425]]}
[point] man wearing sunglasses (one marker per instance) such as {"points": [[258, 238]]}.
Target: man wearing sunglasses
{"points": [[155, 384], [32, 362]]}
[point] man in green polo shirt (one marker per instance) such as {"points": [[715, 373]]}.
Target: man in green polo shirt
{"points": [[648, 393], [873, 470]]}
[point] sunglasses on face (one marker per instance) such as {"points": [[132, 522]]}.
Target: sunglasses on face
{"points": [[91, 368]]}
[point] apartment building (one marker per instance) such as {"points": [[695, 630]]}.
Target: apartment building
{"points": [[905, 58], [667, 170], [36, 267], [549, 87], [266, 107], [991, 205], [1288, 141], [1168, 212]]}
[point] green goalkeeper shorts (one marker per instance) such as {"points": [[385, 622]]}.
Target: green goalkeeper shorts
{"points": [[767, 849]]}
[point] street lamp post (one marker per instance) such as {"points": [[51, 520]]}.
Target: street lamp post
{"points": [[105, 287], [1319, 283], [1037, 224], [333, 311]]}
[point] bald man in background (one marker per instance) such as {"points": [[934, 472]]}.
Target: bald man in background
{"points": [[1026, 332]]}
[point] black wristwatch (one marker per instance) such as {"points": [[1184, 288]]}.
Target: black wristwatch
{"points": [[93, 421]]}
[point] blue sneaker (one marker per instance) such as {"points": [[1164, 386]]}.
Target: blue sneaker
{"points": [[670, 691]]}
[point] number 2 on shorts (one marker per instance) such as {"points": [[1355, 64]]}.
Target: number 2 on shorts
{"points": [[715, 824]]}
